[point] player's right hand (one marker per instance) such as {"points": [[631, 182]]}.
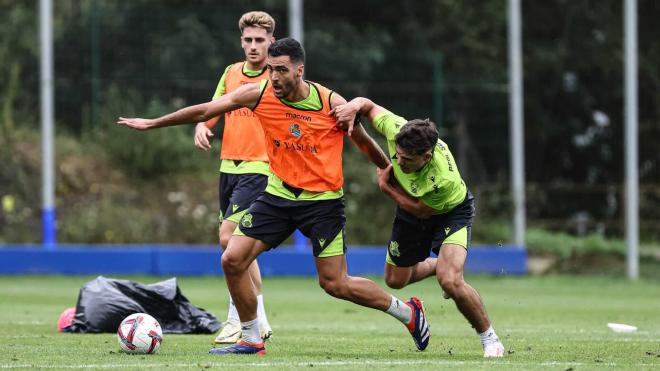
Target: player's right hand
{"points": [[384, 178], [202, 135], [345, 115], [135, 123]]}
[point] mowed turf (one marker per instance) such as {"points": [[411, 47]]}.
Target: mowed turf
{"points": [[555, 323]]}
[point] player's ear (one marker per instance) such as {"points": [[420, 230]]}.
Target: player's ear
{"points": [[301, 70]]}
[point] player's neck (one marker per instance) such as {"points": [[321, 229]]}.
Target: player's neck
{"points": [[299, 93], [255, 66]]}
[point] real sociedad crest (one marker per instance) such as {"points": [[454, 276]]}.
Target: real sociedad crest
{"points": [[295, 130]]}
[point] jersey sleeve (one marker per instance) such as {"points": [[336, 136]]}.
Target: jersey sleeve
{"points": [[388, 124], [220, 89]]}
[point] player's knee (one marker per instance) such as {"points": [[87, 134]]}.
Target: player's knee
{"points": [[395, 282], [335, 288], [450, 284], [232, 264]]}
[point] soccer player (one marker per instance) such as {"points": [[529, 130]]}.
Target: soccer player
{"points": [[244, 162], [304, 191], [434, 212]]}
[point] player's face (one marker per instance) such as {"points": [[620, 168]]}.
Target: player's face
{"points": [[409, 162], [284, 75], [255, 42]]}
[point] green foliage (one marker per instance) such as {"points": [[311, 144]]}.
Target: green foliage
{"points": [[443, 59], [565, 245], [543, 241], [19, 75], [146, 154], [19, 185], [129, 218]]}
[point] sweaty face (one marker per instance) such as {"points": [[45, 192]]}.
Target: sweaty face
{"points": [[409, 162], [255, 42], [284, 75]]}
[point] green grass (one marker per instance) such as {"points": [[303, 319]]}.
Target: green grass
{"points": [[551, 323]]}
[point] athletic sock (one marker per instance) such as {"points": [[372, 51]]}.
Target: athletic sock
{"points": [[261, 311], [232, 313], [400, 310], [488, 336], [250, 331]]}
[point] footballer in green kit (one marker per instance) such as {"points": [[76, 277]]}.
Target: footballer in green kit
{"points": [[434, 211]]}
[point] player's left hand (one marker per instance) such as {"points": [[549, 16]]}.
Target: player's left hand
{"points": [[135, 123], [202, 135], [345, 115]]}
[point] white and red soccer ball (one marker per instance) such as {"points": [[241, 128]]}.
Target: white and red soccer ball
{"points": [[139, 333]]}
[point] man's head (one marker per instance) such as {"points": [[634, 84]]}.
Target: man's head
{"points": [[256, 35], [286, 63], [415, 144]]}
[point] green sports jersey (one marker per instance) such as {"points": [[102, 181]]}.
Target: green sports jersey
{"points": [[242, 167], [438, 184], [275, 186]]}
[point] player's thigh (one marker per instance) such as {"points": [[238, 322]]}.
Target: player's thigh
{"points": [[451, 262], [227, 228], [331, 269], [242, 251], [397, 277]]}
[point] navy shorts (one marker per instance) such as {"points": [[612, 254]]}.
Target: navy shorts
{"points": [[237, 192], [273, 219], [413, 239]]}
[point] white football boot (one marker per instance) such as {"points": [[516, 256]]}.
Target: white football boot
{"points": [[493, 349], [265, 331], [230, 334]]}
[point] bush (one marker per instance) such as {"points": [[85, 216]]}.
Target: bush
{"points": [[152, 153]]}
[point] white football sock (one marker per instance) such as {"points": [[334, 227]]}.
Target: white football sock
{"points": [[400, 310], [232, 313], [488, 336], [250, 331], [261, 311]]}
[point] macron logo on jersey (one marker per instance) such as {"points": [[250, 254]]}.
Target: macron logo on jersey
{"points": [[296, 116]]}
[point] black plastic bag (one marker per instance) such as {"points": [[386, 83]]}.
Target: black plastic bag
{"points": [[104, 302]]}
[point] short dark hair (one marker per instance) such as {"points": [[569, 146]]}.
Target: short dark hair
{"points": [[417, 136], [289, 47]]}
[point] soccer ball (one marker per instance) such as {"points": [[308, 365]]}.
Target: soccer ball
{"points": [[139, 333]]}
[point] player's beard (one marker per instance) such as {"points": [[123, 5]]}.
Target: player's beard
{"points": [[285, 89]]}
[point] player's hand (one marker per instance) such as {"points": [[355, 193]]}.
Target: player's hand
{"points": [[202, 135], [384, 176], [135, 123], [345, 115]]}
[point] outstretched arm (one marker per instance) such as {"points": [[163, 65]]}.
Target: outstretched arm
{"points": [[362, 139], [245, 96], [390, 186]]}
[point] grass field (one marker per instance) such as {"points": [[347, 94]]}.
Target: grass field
{"points": [[555, 323]]}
